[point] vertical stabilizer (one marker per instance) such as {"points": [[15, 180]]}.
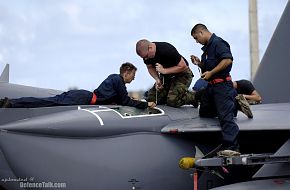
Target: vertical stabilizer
{"points": [[272, 78], [5, 74]]}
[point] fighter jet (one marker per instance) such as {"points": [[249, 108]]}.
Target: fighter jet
{"points": [[117, 147]]}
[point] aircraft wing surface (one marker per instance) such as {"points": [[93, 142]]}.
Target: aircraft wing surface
{"points": [[266, 117]]}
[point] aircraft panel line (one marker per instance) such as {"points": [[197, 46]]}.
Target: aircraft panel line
{"points": [[96, 115]]}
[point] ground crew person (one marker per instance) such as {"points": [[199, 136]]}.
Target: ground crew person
{"points": [[247, 89], [219, 96], [171, 73], [111, 91]]}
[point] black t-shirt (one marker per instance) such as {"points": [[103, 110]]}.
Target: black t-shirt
{"points": [[245, 87], [166, 54]]}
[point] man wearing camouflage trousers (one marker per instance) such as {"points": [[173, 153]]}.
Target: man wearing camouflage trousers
{"points": [[171, 73]]}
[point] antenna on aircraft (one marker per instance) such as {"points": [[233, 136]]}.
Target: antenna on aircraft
{"points": [[4, 77]]}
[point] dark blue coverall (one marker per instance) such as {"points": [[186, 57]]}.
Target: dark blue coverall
{"points": [[219, 98], [111, 91]]}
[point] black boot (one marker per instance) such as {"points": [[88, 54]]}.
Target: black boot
{"points": [[4, 103], [1, 102], [192, 100], [199, 94]]}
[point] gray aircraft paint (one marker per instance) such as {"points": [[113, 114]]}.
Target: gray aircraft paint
{"points": [[88, 147]]}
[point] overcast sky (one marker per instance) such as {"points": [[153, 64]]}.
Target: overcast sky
{"points": [[75, 43]]}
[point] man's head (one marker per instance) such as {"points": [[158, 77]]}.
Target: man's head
{"points": [[144, 49], [127, 71], [200, 33]]}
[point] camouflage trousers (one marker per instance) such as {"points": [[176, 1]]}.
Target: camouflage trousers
{"points": [[175, 91]]}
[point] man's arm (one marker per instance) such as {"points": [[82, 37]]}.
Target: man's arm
{"points": [[154, 74], [180, 67], [255, 96], [221, 66], [152, 71]]}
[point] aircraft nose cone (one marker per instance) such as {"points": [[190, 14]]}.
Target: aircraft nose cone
{"points": [[74, 123]]}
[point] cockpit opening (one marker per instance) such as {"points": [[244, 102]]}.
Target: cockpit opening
{"points": [[132, 111]]}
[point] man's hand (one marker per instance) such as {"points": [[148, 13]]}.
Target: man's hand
{"points": [[160, 68], [158, 84], [206, 75], [151, 104], [195, 60]]}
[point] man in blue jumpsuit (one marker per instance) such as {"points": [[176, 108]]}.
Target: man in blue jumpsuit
{"points": [[219, 96], [111, 91]]}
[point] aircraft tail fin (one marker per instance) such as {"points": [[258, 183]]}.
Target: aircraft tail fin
{"points": [[273, 73], [5, 74]]}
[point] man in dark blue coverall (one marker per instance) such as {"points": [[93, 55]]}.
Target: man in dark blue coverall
{"points": [[219, 97], [111, 91]]}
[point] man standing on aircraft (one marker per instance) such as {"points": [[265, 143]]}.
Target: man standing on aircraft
{"points": [[171, 73], [219, 96], [111, 91]]}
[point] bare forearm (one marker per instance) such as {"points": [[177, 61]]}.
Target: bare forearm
{"points": [[254, 96], [221, 66], [152, 71]]}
